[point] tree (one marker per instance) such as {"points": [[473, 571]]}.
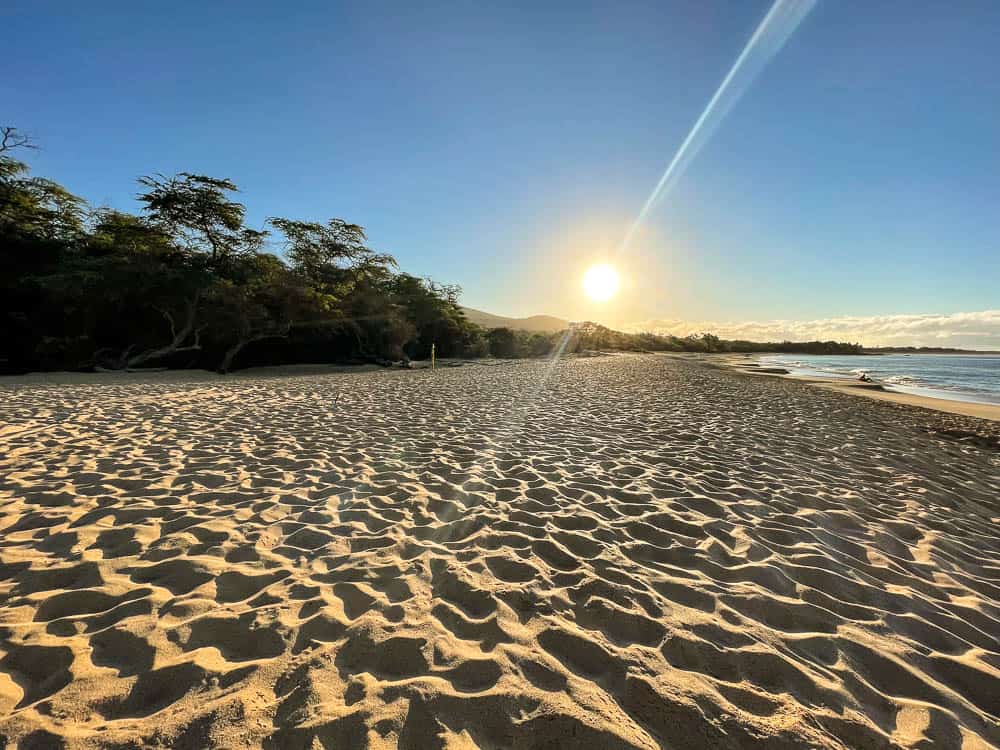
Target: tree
{"points": [[11, 138], [262, 300], [503, 343], [435, 315], [322, 252], [117, 232], [196, 211], [187, 338], [34, 206]]}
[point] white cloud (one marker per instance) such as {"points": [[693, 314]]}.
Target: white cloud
{"points": [[969, 330]]}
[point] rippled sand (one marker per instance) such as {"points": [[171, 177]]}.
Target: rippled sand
{"points": [[637, 552]]}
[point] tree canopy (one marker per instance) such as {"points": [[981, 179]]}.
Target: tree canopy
{"points": [[185, 282]]}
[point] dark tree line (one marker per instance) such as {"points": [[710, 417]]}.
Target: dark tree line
{"points": [[186, 283], [504, 342]]}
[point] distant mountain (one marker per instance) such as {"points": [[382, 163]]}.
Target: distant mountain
{"points": [[536, 323]]}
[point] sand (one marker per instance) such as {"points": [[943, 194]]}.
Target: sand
{"points": [[616, 552]]}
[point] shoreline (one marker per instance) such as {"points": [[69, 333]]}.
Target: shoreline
{"points": [[874, 390]]}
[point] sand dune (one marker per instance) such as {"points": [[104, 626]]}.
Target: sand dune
{"points": [[632, 552]]}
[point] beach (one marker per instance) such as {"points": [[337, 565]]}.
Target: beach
{"points": [[621, 551], [934, 400]]}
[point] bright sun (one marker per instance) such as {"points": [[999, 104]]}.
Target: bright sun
{"points": [[601, 282]]}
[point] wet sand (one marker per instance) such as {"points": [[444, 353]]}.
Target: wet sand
{"points": [[616, 552]]}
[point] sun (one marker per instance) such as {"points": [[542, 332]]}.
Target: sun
{"points": [[601, 282]]}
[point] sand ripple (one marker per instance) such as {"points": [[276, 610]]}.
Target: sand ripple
{"points": [[637, 552]]}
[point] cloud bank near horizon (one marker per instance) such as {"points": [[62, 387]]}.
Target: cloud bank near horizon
{"points": [[965, 330]]}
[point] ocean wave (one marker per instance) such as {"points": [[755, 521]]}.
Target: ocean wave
{"points": [[964, 377]]}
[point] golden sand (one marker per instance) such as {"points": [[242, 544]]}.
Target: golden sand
{"points": [[618, 552]]}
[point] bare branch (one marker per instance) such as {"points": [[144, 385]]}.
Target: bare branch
{"points": [[11, 138], [177, 340]]}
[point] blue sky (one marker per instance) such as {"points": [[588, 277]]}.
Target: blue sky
{"points": [[506, 146]]}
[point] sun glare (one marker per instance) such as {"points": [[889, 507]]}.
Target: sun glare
{"points": [[601, 282]]}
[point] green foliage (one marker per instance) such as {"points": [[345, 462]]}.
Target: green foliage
{"points": [[187, 283], [326, 253], [197, 212], [433, 311], [581, 337], [33, 206], [504, 343], [119, 233]]}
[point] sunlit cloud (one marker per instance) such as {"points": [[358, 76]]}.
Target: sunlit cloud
{"points": [[969, 330]]}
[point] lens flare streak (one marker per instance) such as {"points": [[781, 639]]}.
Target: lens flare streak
{"points": [[778, 25]]}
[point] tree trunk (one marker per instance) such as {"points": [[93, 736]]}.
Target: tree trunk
{"points": [[177, 342], [236, 348], [129, 361], [230, 355]]}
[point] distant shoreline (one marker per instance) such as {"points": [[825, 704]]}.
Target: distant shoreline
{"points": [[874, 390]]}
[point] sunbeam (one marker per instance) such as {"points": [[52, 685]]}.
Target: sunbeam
{"points": [[771, 34]]}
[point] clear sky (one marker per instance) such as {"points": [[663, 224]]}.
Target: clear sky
{"points": [[506, 146]]}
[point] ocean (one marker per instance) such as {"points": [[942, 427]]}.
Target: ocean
{"points": [[960, 377]]}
